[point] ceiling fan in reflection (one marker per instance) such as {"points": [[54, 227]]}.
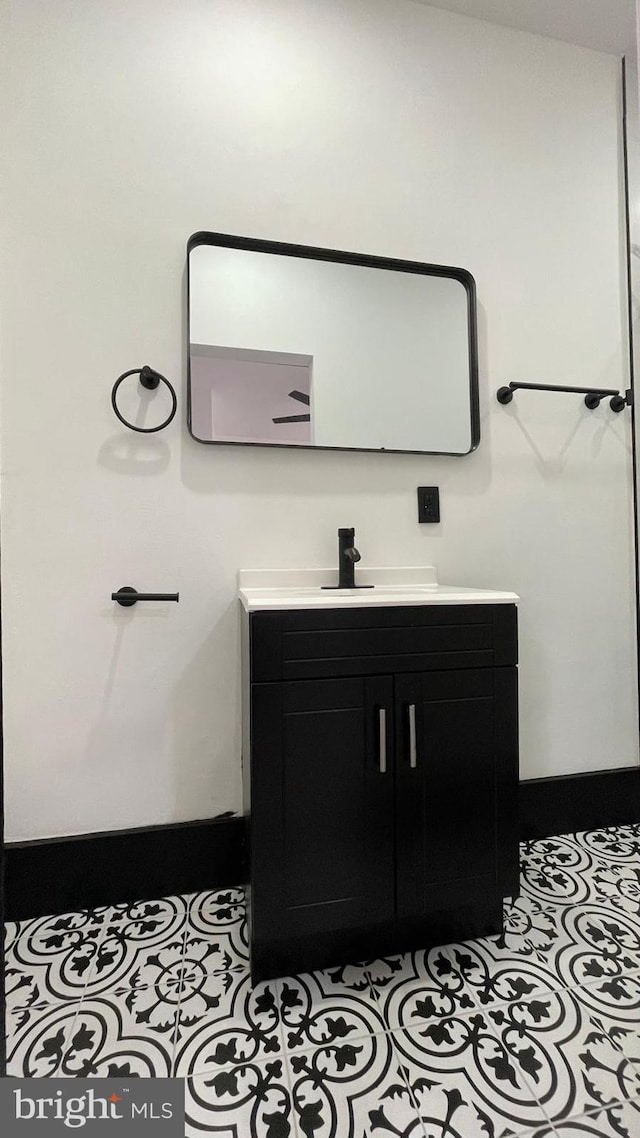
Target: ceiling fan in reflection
{"points": [[301, 398]]}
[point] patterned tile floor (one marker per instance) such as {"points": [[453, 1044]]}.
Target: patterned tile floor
{"points": [[534, 1034]]}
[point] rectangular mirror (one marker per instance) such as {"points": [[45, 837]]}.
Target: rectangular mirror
{"points": [[295, 346]]}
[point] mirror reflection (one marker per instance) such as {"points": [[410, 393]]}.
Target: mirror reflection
{"points": [[294, 346]]}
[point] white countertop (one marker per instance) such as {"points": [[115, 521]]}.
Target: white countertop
{"points": [[261, 590]]}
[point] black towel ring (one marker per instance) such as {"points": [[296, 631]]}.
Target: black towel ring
{"points": [[149, 379]]}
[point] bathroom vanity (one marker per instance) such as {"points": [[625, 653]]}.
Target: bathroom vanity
{"points": [[380, 765]]}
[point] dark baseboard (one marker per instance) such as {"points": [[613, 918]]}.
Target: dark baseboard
{"points": [[568, 803], [62, 875]]}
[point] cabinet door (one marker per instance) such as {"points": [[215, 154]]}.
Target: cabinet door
{"points": [[322, 805], [446, 789]]}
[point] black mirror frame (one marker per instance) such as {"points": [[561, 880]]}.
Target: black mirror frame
{"points": [[310, 252]]}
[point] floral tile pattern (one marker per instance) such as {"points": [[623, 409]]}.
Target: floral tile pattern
{"points": [[493, 972], [216, 932], [353, 1088], [532, 1034], [567, 1056], [38, 1046], [130, 1035], [464, 1080], [252, 1100], [50, 958], [524, 917], [590, 942], [622, 1120], [619, 845], [419, 986], [617, 997], [333, 1007], [225, 1022], [142, 945]]}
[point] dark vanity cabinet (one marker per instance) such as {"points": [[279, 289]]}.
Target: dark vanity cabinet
{"points": [[380, 765]]}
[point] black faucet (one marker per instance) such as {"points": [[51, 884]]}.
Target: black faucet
{"points": [[348, 555]]}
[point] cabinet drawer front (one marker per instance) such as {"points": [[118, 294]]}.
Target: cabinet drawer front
{"points": [[350, 642], [344, 643]]}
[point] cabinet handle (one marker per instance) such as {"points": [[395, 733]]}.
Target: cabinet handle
{"points": [[382, 739], [413, 758]]}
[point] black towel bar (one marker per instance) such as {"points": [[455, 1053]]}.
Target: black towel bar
{"points": [[592, 395]]}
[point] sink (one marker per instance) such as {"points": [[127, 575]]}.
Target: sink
{"points": [[399, 585]]}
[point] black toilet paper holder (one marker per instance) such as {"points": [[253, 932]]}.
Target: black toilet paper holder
{"points": [[128, 596]]}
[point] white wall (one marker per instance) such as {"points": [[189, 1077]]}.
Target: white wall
{"points": [[380, 126]]}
